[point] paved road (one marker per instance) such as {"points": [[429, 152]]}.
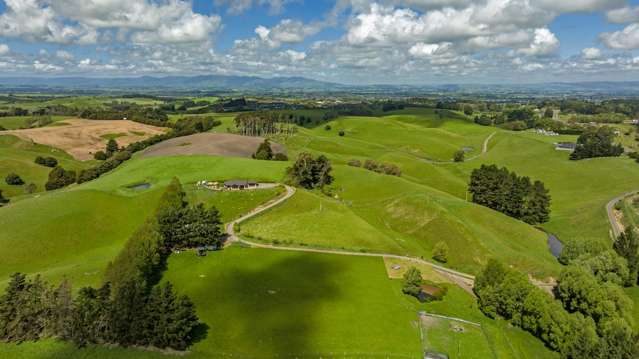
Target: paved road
{"points": [[464, 280], [616, 230]]}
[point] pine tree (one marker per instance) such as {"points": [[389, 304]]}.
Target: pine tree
{"points": [[9, 304]]}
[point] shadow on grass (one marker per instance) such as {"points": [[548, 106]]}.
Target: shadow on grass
{"points": [[268, 310]]}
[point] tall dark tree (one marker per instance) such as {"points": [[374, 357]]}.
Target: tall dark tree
{"points": [[111, 147], [170, 319], [264, 151]]}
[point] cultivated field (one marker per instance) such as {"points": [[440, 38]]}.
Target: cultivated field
{"points": [[82, 138], [213, 144]]}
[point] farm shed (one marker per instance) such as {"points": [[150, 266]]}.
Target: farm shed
{"points": [[565, 146], [240, 184]]}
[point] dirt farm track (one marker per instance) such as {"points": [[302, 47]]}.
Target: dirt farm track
{"points": [[82, 138], [215, 144]]}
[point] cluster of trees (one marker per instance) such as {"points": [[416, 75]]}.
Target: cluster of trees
{"points": [[264, 123], [129, 111], [506, 192], [15, 111], [59, 178], [412, 282], [111, 162], [38, 121], [33, 309], [309, 172], [597, 142], [590, 319], [379, 167], [184, 226], [265, 152], [46, 161]]}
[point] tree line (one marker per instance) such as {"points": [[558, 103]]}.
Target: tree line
{"points": [[597, 142], [591, 317], [508, 193], [130, 308]]}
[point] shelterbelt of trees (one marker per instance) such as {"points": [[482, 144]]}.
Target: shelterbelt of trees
{"points": [[130, 308], [591, 317]]}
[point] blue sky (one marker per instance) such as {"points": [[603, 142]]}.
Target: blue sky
{"points": [[348, 41]]}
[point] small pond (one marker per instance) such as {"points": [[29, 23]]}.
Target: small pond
{"points": [[555, 245], [139, 186]]}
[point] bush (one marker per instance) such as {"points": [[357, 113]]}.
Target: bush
{"points": [[459, 156], [280, 157], [100, 156], [13, 179], [30, 188], [309, 172], [440, 252], [355, 163], [2, 199], [342, 133], [412, 282], [327, 127], [59, 178], [46, 161], [264, 151]]}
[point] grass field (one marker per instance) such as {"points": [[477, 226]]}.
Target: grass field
{"points": [[16, 122], [18, 156], [69, 233], [387, 214]]}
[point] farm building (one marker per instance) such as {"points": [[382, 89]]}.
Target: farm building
{"points": [[240, 184], [565, 146]]}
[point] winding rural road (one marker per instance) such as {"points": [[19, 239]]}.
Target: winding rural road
{"points": [[464, 280], [616, 230]]}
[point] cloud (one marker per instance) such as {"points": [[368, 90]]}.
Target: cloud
{"points": [[86, 22], [4, 49], [64, 55], [544, 43], [591, 53], [236, 7], [625, 39], [295, 56], [623, 15], [287, 32], [428, 50], [566, 6]]}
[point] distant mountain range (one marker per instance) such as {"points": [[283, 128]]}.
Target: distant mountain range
{"points": [[253, 84]]}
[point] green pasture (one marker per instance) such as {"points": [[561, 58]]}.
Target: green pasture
{"points": [[17, 122], [18, 156], [231, 204], [69, 233], [259, 303], [379, 213]]}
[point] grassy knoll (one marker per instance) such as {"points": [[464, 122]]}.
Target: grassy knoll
{"points": [[579, 189], [75, 232], [18, 156], [422, 134], [69, 233], [158, 171], [381, 213], [16, 122]]}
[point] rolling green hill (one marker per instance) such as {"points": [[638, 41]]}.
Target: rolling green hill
{"points": [[18, 156]]}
